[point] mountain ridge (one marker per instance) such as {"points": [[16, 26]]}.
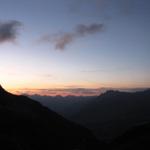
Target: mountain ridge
{"points": [[27, 125], [114, 112]]}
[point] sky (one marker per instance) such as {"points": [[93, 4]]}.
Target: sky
{"points": [[74, 46]]}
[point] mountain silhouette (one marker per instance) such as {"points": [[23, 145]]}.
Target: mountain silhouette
{"points": [[113, 113], [137, 137], [67, 106], [27, 125]]}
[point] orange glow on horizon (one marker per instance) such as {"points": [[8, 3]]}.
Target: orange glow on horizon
{"points": [[76, 91], [79, 89]]}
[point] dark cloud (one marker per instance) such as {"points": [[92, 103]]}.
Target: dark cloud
{"points": [[82, 29], [61, 40], [9, 31]]}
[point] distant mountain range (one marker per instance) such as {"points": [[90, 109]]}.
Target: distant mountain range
{"points": [[112, 113], [109, 115], [67, 106], [27, 125]]}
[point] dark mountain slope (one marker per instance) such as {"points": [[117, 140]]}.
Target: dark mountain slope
{"points": [[67, 106], [114, 112], [137, 137], [27, 125]]}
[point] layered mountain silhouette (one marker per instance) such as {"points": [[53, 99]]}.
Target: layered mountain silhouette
{"points": [[120, 118], [27, 125], [67, 106], [108, 115], [113, 113]]}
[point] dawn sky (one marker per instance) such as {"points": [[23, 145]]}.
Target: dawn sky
{"points": [[74, 45]]}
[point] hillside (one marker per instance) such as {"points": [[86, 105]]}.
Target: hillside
{"points": [[27, 125], [112, 113]]}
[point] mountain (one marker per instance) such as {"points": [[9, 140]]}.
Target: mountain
{"points": [[137, 137], [27, 125], [67, 106], [113, 113]]}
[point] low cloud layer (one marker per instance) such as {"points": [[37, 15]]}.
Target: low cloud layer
{"points": [[62, 92], [61, 40], [71, 91], [9, 31]]}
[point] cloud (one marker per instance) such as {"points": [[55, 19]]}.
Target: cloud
{"points": [[9, 31], [62, 39], [62, 92], [82, 30]]}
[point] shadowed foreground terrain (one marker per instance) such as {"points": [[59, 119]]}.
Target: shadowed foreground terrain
{"points": [[137, 137], [27, 125]]}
